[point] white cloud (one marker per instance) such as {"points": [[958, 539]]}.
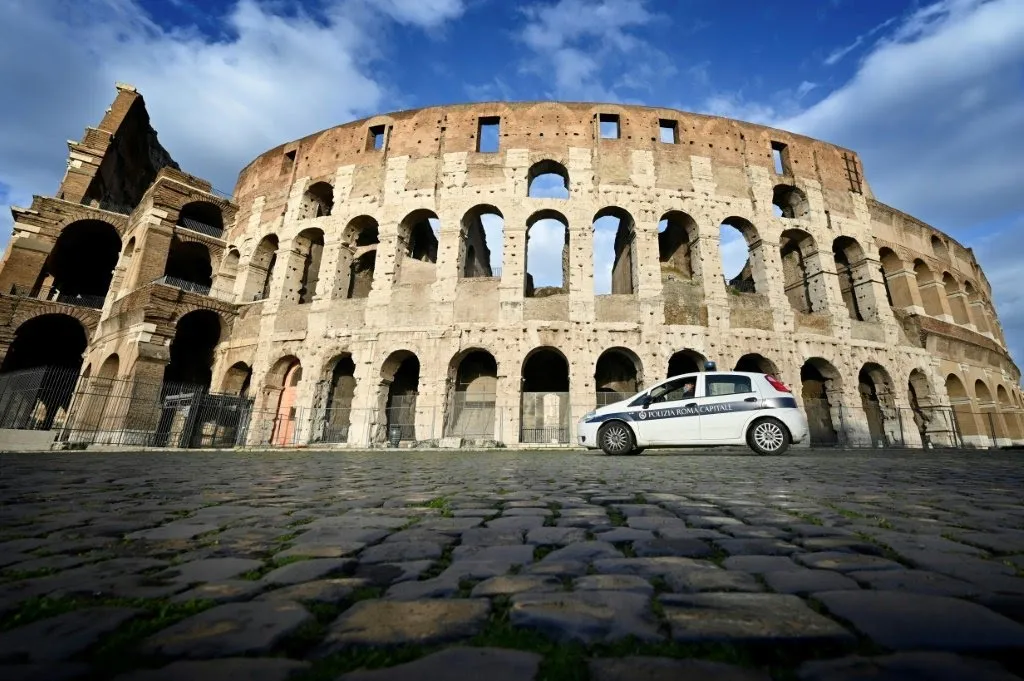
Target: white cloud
{"points": [[733, 251], [582, 46], [216, 103], [937, 113], [837, 55], [998, 253]]}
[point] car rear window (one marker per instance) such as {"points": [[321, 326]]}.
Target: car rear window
{"points": [[715, 386]]}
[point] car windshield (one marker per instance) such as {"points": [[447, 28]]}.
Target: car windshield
{"points": [[678, 389]]}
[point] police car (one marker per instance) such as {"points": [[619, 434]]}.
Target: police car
{"points": [[702, 409]]}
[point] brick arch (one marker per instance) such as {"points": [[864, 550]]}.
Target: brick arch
{"points": [[116, 220], [87, 317]]}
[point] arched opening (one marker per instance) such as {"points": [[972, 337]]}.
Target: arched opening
{"points": [[854, 278], [81, 264], [685, 362], [480, 243], [417, 244], [547, 180], [930, 290], [400, 380], [317, 201], [188, 266], [820, 388], [987, 406], [341, 391], [237, 379], [756, 364], [97, 413], [875, 388], [1008, 412], [284, 379], [617, 375], [125, 266], [473, 389], [963, 412], [920, 398], [39, 372], [309, 246], [358, 257], [739, 249], [547, 254], [939, 248], [261, 269], [545, 413], [615, 269], [976, 308], [800, 276], [957, 304], [896, 290], [790, 202], [676, 230], [195, 336], [225, 282], [203, 217]]}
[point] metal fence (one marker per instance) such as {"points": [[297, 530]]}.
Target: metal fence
{"points": [[184, 285], [201, 227], [57, 296], [106, 411]]}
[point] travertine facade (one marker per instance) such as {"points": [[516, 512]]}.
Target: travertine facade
{"points": [[352, 284]]}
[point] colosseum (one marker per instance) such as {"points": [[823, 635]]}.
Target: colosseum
{"points": [[479, 274]]}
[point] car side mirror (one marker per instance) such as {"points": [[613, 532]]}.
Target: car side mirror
{"points": [[646, 402]]}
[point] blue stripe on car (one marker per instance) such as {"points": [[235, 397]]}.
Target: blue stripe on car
{"points": [[654, 414]]}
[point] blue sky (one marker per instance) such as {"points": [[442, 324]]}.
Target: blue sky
{"points": [[929, 92]]}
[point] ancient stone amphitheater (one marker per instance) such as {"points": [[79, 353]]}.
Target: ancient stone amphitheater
{"points": [[385, 280]]}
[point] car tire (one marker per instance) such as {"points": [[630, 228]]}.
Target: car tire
{"points": [[616, 439], [768, 437], [637, 451]]}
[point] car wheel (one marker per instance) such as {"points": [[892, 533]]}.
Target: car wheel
{"points": [[768, 437], [615, 438], [637, 451]]}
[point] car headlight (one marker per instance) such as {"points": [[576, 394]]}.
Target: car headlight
{"points": [[588, 415]]}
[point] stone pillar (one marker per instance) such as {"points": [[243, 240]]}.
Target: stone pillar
{"points": [[905, 294], [933, 295]]}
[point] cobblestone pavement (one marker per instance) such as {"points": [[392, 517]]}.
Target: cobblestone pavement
{"points": [[511, 566]]}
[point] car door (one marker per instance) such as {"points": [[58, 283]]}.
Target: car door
{"points": [[671, 415], [725, 405]]}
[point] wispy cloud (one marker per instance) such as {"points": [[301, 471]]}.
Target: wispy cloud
{"points": [[838, 54]]}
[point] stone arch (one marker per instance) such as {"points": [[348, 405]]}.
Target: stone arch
{"points": [[618, 373], [821, 389], [417, 248], [855, 280], [992, 423], [357, 258], [545, 409], [963, 411], [81, 264], [790, 201], [97, 411], [618, 224], [338, 391], [196, 335], [930, 289], [308, 246], [261, 269], [547, 179], [1009, 413], [476, 250], [47, 352], [228, 272], [685, 361], [750, 278], [400, 378], [939, 250], [188, 265], [801, 272], [282, 388], [757, 364], [237, 379], [676, 233], [541, 237], [897, 288], [875, 387], [317, 201], [976, 305], [957, 305], [203, 217], [472, 394]]}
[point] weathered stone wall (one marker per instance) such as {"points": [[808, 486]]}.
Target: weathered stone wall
{"points": [[941, 323]]}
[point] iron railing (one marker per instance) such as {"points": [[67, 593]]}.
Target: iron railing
{"points": [[184, 285], [58, 296], [201, 227]]}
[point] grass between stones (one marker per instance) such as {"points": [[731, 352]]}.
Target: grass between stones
{"points": [[270, 566], [887, 551], [442, 504], [440, 565], [540, 551], [17, 575], [617, 517], [556, 513], [808, 518]]}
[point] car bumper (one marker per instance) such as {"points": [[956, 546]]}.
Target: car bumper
{"points": [[796, 422], [586, 434]]}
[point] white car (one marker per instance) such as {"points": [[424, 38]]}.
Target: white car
{"points": [[709, 408]]}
